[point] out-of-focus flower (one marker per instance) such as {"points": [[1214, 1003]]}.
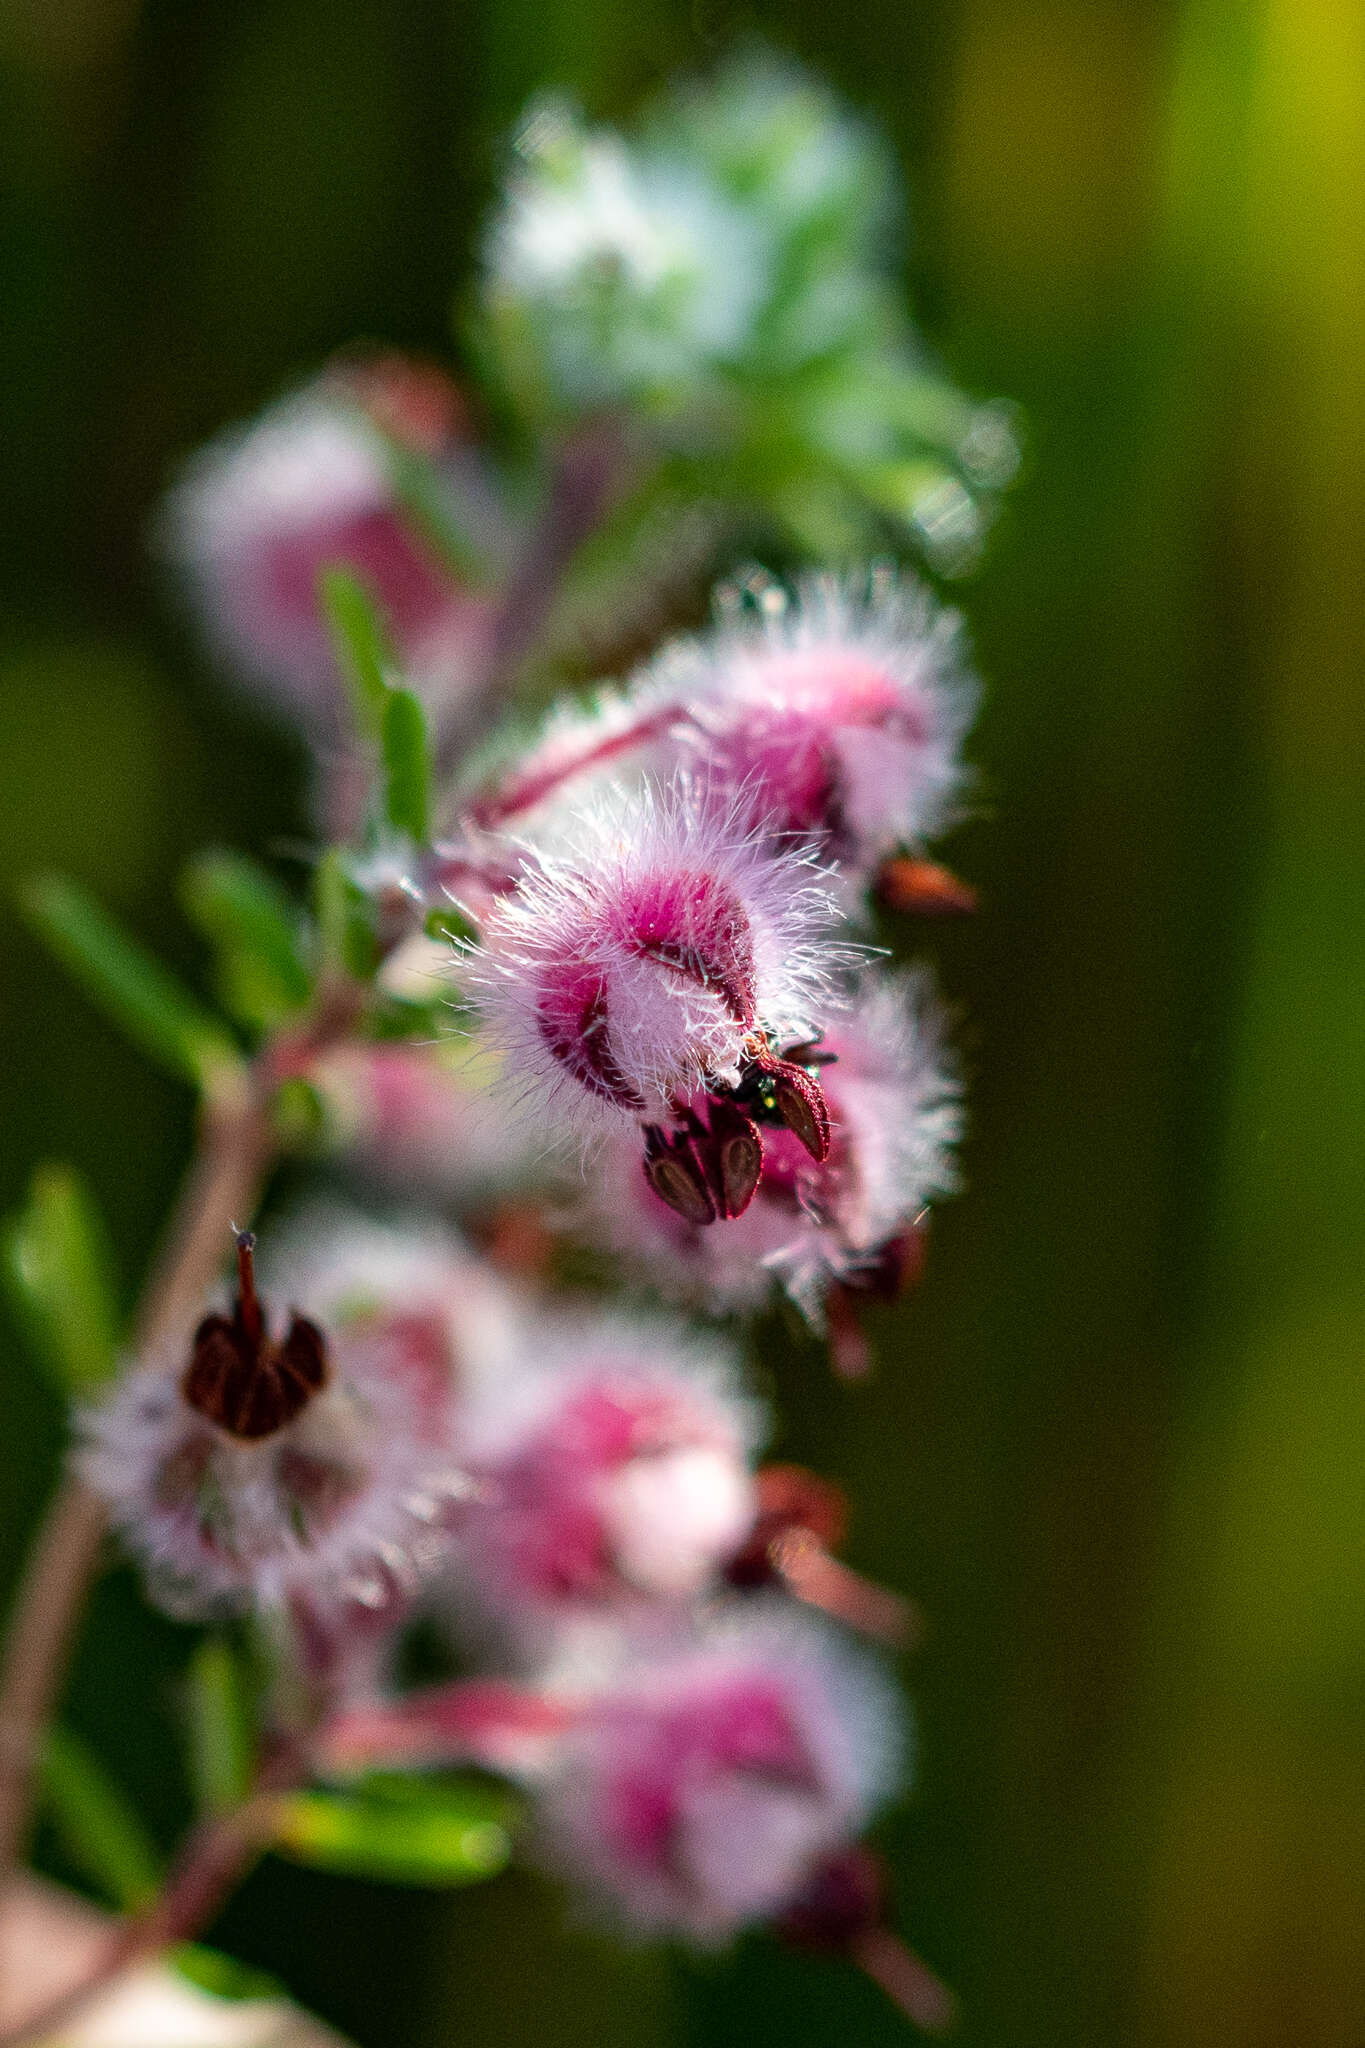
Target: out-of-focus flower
{"points": [[813, 1225], [697, 1790], [313, 484], [276, 1468], [610, 1468], [642, 970], [691, 1783], [635, 271]]}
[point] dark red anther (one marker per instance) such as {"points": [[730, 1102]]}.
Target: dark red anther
{"points": [[921, 888], [238, 1377], [733, 1152], [800, 1102], [674, 1173]]}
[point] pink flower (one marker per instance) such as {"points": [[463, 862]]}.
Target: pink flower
{"points": [[699, 1789], [833, 716], [610, 1468], [282, 1464], [643, 964], [894, 1115], [259, 514], [838, 712]]}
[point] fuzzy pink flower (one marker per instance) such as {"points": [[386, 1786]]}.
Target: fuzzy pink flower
{"points": [[894, 1113], [838, 711], [610, 1468], [282, 1464], [259, 514], [644, 960], [835, 716], [699, 1790]]}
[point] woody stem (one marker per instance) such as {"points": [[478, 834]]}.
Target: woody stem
{"points": [[234, 1152]]}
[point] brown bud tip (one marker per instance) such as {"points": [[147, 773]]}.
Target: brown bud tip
{"points": [[734, 1152], [792, 1497], [921, 888], [800, 1102], [842, 1901], [671, 1169], [895, 1268]]}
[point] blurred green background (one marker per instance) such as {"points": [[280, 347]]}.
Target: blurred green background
{"points": [[1117, 1443]]}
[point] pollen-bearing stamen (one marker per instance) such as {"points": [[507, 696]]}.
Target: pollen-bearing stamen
{"points": [[239, 1377]]}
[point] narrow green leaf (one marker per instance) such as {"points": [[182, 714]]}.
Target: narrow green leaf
{"points": [[134, 990], [220, 1727], [361, 648], [346, 935], [407, 766], [208, 1969], [97, 1825], [249, 919], [401, 1830], [60, 1272]]}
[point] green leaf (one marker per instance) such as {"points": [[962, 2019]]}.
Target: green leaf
{"points": [[59, 1269], [407, 766], [346, 932], [361, 646], [247, 916], [446, 922], [401, 1830], [208, 1969], [133, 989], [220, 1727], [97, 1825]]}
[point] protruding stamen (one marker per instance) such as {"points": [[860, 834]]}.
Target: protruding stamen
{"points": [[799, 1100], [673, 1172]]}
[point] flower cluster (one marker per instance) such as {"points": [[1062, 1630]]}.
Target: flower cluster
{"points": [[610, 986]]}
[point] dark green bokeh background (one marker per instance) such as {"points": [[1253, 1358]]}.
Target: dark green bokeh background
{"points": [[1117, 1444]]}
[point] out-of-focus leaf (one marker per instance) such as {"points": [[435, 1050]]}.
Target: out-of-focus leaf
{"points": [[407, 766], [401, 1829], [345, 930], [361, 648], [208, 1969], [220, 1727], [135, 990], [96, 1823], [446, 922], [59, 1269], [244, 913]]}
